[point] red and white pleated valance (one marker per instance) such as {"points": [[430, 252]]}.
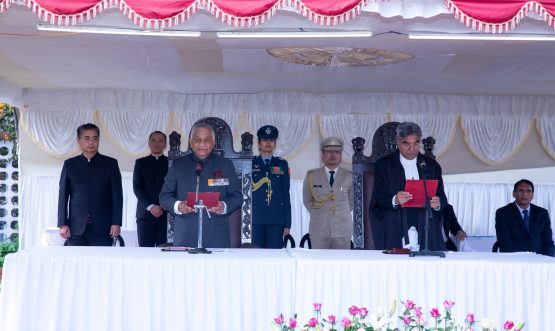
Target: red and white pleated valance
{"points": [[160, 14], [498, 16]]}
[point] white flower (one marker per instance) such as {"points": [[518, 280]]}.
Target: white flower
{"points": [[379, 310], [378, 323], [486, 323]]}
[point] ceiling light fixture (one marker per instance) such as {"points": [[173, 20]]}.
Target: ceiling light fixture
{"points": [[293, 34], [118, 31], [482, 36]]}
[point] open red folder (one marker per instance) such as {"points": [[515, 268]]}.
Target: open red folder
{"points": [[416, 188], [209, 199]]}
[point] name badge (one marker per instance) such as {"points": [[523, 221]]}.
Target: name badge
{"points": [[218, 182], [255, 170], [316, 185]]}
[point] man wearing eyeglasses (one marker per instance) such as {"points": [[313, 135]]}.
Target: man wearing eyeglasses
{"points": [[521, 226], [391, 174], [90, 198]]}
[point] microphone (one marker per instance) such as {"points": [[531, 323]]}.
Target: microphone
{"points": [[198, 168]]}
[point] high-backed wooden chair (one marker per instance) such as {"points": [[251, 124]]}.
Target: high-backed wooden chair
{"points": [[365, 225], [241, 219]]}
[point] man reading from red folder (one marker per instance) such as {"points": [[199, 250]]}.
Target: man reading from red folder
{"points": [[391, 173], [216, 174]]}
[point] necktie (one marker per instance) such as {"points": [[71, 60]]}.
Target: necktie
{"points": [[526, 218], [267, 162], [331, 177]]}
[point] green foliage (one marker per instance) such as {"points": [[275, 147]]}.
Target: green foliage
{"points": [[8, 128], [11, 245]]}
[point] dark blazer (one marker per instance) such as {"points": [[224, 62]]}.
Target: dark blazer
{"points": [[389, 178], [148, 178], [94, 191], [512, 235], [181, 179], [450, 225], [278, 211]]}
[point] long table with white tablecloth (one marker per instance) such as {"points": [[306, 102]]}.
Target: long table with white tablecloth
{"points": [[132, 288]]}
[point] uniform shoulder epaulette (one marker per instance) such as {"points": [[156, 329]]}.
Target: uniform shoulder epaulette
{"points": [[314, 170]]}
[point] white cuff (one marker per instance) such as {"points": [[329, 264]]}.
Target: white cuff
{"points": [[176, 208], [225, 208], [393, 201], [150, 207]]}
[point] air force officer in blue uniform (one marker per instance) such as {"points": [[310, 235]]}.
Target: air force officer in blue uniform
{"points": [[271, 203]]}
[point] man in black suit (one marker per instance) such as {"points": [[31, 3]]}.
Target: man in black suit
{"points": [[451, 225], [148, 178], [91, 182], [522, 226], [217, 174], [271, 203], [389, 194]]}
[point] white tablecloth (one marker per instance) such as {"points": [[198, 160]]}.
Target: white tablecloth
{"points": [[51, 237], [131, 288], [517, 286]]}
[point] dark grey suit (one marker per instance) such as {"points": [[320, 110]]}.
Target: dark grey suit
{"points": [[513, 236], [181, 179], [94, 192]]}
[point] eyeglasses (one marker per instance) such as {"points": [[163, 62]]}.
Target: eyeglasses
{"points": [[93, 139]]}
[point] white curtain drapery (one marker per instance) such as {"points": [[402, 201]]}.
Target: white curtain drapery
{"points": [[493, 139], [441, 127], [294, 130], [350, 126], [546, 128], [130, 130], [495, 126], [55, 131]]}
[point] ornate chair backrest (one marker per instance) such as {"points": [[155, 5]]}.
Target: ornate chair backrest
{"points": [[241, 219]]}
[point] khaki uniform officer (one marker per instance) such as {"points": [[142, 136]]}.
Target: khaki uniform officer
{"points": [[328, 197]]}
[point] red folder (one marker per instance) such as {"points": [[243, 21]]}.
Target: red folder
{"points": [[209, 199], [416, 188]]}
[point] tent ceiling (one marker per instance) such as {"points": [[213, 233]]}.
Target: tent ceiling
{"points": [[36, 59]]}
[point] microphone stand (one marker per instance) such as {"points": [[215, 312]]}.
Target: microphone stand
{"points": [[428, 207], [199, 209]]}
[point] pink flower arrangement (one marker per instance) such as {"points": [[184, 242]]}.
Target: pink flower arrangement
{"points": [[412, 317], [448, 304]]}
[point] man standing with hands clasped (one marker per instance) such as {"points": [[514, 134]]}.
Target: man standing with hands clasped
{"points": [[148, 178], [328, 197], [271, 203], [90, 198], [217, 174]]}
